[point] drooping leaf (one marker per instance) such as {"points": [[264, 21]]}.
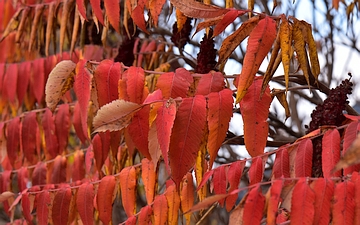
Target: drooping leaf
{"points": [[35, 24], [84, 203], [135, 84], [49, 26], [275, 60], [330, 152], [236, 216], [220, 105], [148, 176], [273, 202], [187, 195], [254, 111], [25, 205], [59, 170], [207, 23], [210, 82], [173, 201], [355, 178], [13, 141], [128, 186], [254, 206], [228, 18], [61, 206], [115, 115], [62, 126], [81, 7], [285, 44], [281, 166], [112, 9], [155, 7], [78, 166], [160, 210], [66, 8], [42, 209], [105, 198], [324, 190], [77, 123], [196, 9], [233, 40], [39, 174], [234, 175], [302, 203], [220, 182], [303, 158], [343, 208], [256, 171], [82, 86], [51, 141], [29, 130], [186, 136], [10, 82], [176, 84], [164, 123], [22, 178], [95, 4], [259, 44], [106, 78], [145, 215]]}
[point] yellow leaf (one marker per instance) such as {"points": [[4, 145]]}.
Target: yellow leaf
{"points": [[180, 19], [187, 196], [229, 4], [274, 63], [285, 44], [314, 60], [251, 4]]}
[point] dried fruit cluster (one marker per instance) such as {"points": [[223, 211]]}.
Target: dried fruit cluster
{"points": [[328, 113], [207, 55], [182, 37]]}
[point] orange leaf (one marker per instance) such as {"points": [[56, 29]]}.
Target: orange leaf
{"points": [[173, 200], [273, 202], [106, 77], [330, 152], [220, 105], [259, 44], [220, 182], [196, 9], [187, 136], [112, 9], [303, 158], [82, 87], [343, 208], [148, 176], [207, 202], [137, 14], [254, 206], [210, 82], [285, 45], [207, 23], [84, 203], [104, 198], [256, 171], [59, 170], [42, 209], [13, 140], [29, 130], [128, 185], [173, 85], [255, 111], [302, 203], [135, 81], [234, 176], [164, 123], [228, 18], [324, 190], [61, 206], [145, 215], [155, 7], [281, 165], [187, 195], [52, 146], [160, 209], [95, 5]]}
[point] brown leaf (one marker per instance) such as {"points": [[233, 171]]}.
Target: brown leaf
{"points": [[196, 9]]}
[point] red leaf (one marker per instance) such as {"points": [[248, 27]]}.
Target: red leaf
{"points": [[205, 178], [349, 137], [82, 87], [148, 176], [173, 201], [10, 83], [273, 204], [176, 84], [139, 130], [22, 87], [160, 209], [37, 80], [22, 177], [106, 77], [187, 136], [194, 9], [61, 206], [164, 123], [13, 141], [62, 126], [59, 170], [281, 165], [25, 205], [78, 166], [52, 146], [105, 198], [135, 81], [259, 44], [29, 130], [128, 185], [81, 8], [39, 174], [112, 9], [220, 105], [234, 175], [77, 122], [137, 15], [131, 220], [84, 203], [324, 190], [207, 202], [145, 215], [343, 209], [355, 177], [210, 82], [255, 111], [302, 203], [220, 182], [254, 206], [97, 148], [330, 152], [256, 171], [42, 209], [228, 18], [303, 158], [95, 4]]}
